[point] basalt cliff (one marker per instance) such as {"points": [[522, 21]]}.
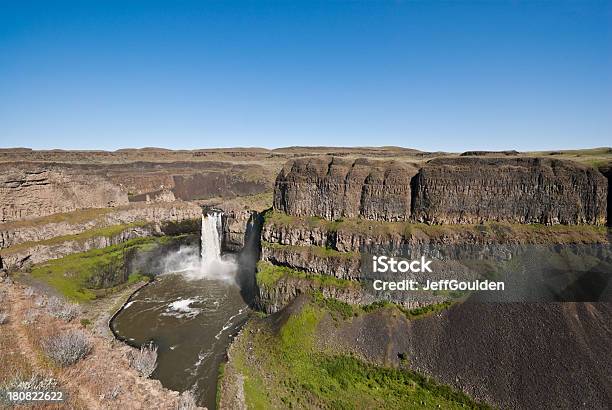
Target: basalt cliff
{"points": [[334, 188], [444, 190], [329, 212]]}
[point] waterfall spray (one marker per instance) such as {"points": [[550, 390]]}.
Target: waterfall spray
{"points": [[208, 263]]}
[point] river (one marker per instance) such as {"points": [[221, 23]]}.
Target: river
{"points": [[192, 322]]}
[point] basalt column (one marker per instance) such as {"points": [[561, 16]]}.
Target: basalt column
{"points": [[333, 188], [515, 190]]}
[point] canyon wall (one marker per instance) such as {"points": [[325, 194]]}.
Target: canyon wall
{"points": [[607, 171], [444, 190], [27, 242], [30, 191], [332, 188], [328, 212], [517, 190], [158, 215], [235, 226], [38, 252]]}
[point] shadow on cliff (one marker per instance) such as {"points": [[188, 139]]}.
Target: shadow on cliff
{"points": [[248, 257]]}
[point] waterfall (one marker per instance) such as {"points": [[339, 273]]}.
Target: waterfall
{"points": [[211, 237]]}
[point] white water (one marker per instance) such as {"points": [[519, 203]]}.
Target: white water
{"points": [[208, 262], [211, 238]]}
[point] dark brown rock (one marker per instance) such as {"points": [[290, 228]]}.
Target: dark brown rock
{"points": [[518, 190], [332, 188]]}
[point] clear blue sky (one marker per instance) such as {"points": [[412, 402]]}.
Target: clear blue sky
{"points": [[429, 75]]}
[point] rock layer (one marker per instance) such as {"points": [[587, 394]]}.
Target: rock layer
{"points": [[517, 190], [332, 188], [158, 215], [30, 191], [444, 190], [40, 252]]}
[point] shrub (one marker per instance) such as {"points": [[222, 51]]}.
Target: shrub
{"points": [[3, 318], [145, 360], [30, 317], [113, 393], [67, 348], [186, 401], [61, 310], [36, 382]]}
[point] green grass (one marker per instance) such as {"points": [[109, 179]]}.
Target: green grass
{"points": [[268, 275], [415, 313], [254, 387], [107, 231], [346, 310], [75, 217], [298, 374], [335, 306], [72, 274], [220, 374], [136, 277]]}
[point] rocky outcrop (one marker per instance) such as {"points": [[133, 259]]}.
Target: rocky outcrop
{"points": [[314, 260], [162, 195], [340, 250], [22, 257], [517, 190], [332, 188], [235, 226], [213, 184], [607, 171], [30, 191], [444, 190], [272, 298], [489, 153], [158, 215]]}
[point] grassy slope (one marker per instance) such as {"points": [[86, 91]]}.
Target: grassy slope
{"points": [[69, 275], [285, 369], [107, 231], [346, 310], [268, 275]]}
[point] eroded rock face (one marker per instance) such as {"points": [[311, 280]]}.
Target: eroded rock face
{"points": [[607, 171], [29, 191], [333, 188], [235, 225], [341, 267], [42, 251], [518, 190], [445, 190], [271, 299], [157, 214]]}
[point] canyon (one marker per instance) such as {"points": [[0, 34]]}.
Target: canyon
{"points": [[309, 215], [328, 212]]}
